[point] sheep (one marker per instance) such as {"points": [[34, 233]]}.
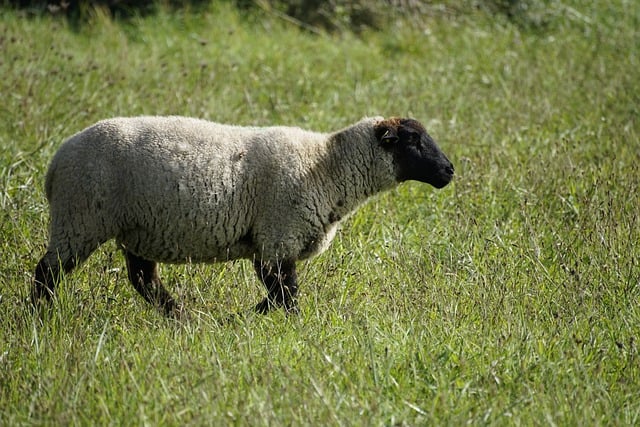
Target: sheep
{"points": [[176, 189]]}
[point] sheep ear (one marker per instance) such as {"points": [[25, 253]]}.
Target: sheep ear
{"points": [[389, 138]]}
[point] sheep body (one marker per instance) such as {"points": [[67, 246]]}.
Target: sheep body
{"points": [[176, 189]]}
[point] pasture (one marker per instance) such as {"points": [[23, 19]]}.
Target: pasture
{"points": [[510, 297]]}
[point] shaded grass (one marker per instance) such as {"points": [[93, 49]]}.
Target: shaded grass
{"points": [[510, 297]]}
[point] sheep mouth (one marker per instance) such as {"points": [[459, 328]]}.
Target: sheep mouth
{"points": [[441, 183], [446, 176]]}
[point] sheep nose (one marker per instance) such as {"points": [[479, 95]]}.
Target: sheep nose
{"points": [[449, 169]]}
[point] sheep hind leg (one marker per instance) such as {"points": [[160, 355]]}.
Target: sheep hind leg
{"points": [[143, 275], [47, 275], [281, 281]]}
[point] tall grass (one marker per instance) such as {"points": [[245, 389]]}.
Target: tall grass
{"points": [[510, 297]]}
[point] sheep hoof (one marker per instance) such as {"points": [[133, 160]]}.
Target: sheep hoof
{"points": [[267, 305], [175, 311], [295, 311]]}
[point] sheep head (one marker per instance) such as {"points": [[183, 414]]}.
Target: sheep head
{"points": [[416, 155]]}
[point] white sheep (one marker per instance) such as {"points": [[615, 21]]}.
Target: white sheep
{"points": [[176, 189]]}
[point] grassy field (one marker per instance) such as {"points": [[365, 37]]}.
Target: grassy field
{"points": [[511, 297]]}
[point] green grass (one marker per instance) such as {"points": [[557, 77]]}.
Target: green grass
{"points": [[511, 297]]}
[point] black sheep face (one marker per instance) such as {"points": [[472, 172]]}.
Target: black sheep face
{"points": [[416, 155]]}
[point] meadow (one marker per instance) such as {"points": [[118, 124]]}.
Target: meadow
{"points": [[510, 297]]}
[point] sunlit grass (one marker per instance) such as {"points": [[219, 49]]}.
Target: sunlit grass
{"points": [[510, 297]]}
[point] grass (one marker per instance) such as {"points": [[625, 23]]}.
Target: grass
{"points": [[510, 297]]}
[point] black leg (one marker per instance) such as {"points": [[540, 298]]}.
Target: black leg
{"points": [[143, 275], [47, 275], [281, 282]]}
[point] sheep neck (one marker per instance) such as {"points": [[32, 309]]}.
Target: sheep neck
{"points": [[351, 169]]}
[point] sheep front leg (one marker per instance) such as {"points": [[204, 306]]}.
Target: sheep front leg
{"points": [[281, 281], [143, 275]]}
